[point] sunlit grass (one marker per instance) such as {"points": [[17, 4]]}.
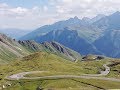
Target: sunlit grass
{"points": [[55, 65]]}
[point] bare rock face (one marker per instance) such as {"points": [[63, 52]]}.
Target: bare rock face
{"points": [[7, 40], [30, 44], [59, 47], [3, 38], [56, 47], [92, 57]]}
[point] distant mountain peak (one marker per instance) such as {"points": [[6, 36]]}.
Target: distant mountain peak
{"points": [[97, 18], [76, 17], [116, 13], [100, 15], [86, 19]]}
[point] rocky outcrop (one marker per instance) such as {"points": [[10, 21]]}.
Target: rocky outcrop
{"points": [[58, 48], [30, 45]]}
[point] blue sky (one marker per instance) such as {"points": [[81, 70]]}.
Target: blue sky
{"points": [[25, 3], [31, 14]]}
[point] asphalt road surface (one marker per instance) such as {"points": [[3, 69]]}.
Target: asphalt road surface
{"points": [[86, 76]]}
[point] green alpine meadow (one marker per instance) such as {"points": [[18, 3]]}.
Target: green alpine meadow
{"points": [[59, 45]]}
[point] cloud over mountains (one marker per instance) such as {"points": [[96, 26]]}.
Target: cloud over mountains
{"points": [[51, 11]]}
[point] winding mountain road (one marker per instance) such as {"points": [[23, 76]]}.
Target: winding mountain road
{"points": [[86, 76], [102, 73]]}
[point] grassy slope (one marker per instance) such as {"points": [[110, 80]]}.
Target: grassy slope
{"points": [[49, 62], [66, 84], [11, 51], [59, 84], [115, 69]]}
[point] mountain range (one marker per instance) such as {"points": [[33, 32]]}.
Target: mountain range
{"points": [[70, 39], [83, 27], [99, 35]]}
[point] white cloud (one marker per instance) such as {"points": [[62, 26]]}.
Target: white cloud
{"points": [[25, 18], [18, 10], [45, 8], [67, 1], [20, 17], [8, 11], [88, 8]]}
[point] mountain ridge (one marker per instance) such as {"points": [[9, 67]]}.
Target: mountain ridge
{"points": [[10, 49], [70, 39]]}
